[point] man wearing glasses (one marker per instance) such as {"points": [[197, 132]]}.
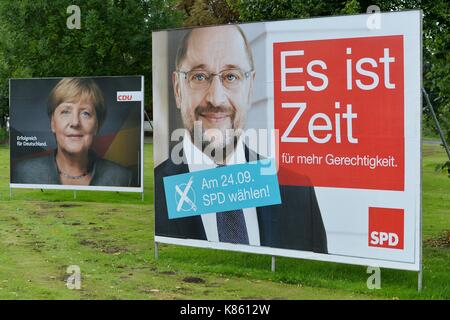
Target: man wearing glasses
{"points": [[213, 84]]}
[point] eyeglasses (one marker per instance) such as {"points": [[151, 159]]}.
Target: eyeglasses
{"points": [[201, 79]]}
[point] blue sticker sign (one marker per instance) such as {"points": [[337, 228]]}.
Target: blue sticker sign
{"points": [[239, 186]]}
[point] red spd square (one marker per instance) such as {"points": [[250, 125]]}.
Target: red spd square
{"points": [[386, 227]]}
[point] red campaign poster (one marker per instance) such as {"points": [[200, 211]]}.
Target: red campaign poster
{"points": [[339, 109]]}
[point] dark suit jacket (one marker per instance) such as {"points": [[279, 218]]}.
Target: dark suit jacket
{"points": [[43, 170], [296, 223]]}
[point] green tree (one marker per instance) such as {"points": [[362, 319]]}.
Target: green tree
{"points": [[266, 10], [436, 53], [201, 14], [436, 36], [114, 39], [207, 12]]}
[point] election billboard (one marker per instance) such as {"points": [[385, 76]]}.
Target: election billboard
{"points": [[297, 138], [77, 133]]}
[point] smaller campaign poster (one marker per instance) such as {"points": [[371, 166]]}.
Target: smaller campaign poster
{"points": [[77, 133]]}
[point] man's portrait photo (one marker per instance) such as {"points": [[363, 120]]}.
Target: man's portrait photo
{"points": [[201, 123]]}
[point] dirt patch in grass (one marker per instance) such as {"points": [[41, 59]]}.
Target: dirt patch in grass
{"points": [[111, 210], [40, 212], [46, 206], [73, 223], [36, 246], [442, 241], [39, 244], [90, 243], [103, 245], [69, 205], [193, 280], [113, 250]]}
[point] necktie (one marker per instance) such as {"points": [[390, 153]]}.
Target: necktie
{"points": [[231, 227]]}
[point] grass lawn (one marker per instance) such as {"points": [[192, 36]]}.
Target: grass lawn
{"points": [[110, 236]]}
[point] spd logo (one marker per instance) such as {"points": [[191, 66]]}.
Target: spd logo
{"points": [[386, 227]]}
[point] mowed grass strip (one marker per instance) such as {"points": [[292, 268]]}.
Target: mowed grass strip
{"points": [[109, 236]]}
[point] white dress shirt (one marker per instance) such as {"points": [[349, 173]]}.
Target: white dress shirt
{"points": [[197, 161]]}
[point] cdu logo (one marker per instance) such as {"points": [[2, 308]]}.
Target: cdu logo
{"points": [[125, 96]]}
